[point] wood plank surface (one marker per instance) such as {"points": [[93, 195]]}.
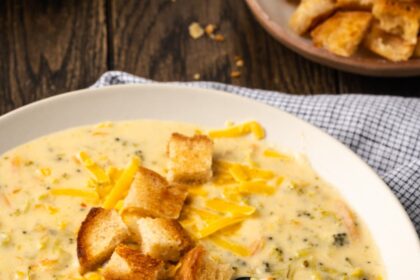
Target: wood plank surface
{"points": [[151, 39], [53, 46], [49, 47]]}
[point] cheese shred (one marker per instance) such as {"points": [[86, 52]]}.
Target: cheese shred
{"points": [[239, 130], [123, 184], [233, 247]]}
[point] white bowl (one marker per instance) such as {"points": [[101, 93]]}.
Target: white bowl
{"points": [[359, 185]]}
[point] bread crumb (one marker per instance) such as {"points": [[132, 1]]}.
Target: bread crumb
{"points": [[197, 76], [209, 29], [239, 63], [218, 38], [235, 74], [195, 30]]}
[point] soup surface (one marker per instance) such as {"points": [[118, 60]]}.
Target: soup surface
{"points": [[293, 225]]}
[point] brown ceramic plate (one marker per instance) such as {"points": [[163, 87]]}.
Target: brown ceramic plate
{"points": [[274, 17]]}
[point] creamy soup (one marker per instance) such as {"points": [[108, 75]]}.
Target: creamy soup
{"points": [[291, 225]]}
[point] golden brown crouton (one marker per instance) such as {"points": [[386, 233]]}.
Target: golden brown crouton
{"points": [[342, 33], [150, 195], [196, 265], [101, 231], [309, 12], [355, 4], [190, 158], [398, 17], [163, 239], [388, 45], [130, 264], [417, 49]]}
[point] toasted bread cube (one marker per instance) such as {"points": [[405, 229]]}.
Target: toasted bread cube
{"points": [[417, 49], [355, 4], [196, 265], [398, 17], [130, 264], [150, 195], [190, 158], [342, 33], [310, 12], [101, 231], [388, 45], [163, 239], [130, 219]]}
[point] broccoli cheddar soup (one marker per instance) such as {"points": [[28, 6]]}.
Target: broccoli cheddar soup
{"points": [[164, 200]]}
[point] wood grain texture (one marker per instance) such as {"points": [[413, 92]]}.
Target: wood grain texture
{"points": [[151, 39], [48, 47], [54, 46]]}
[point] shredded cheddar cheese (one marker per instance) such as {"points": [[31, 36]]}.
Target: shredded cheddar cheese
{"points": [[44, 171], [232, 194], [119, 205], [246, 171], [75, 193], [197, 191], [229, 207], [271, 153], [256, 187], [233, 247], [279, 181], [122, 185], [257, 130], [95, 169], [218, 225], [205, 215], [239, 130], [113, 174], [238, 173]]}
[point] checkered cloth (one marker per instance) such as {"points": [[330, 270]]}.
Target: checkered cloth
{"points": [[383, 130]]}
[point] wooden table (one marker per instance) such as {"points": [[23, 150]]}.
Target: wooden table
{"points": [[50, 47]]}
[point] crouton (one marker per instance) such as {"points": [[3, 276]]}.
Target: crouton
{"points": [[388, 45], [130, 264], [398, 17], [355, 4], [196, 265], [163, 239], [190, 159], [342, 33], [130, 220], [417, 49], [150, 195], [101, 231], [309, 13]]}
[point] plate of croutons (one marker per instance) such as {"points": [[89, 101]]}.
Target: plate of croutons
{"points": [[369, 37]]}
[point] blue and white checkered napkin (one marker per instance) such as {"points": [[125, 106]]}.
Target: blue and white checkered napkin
{"points": [[383, 130]]}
